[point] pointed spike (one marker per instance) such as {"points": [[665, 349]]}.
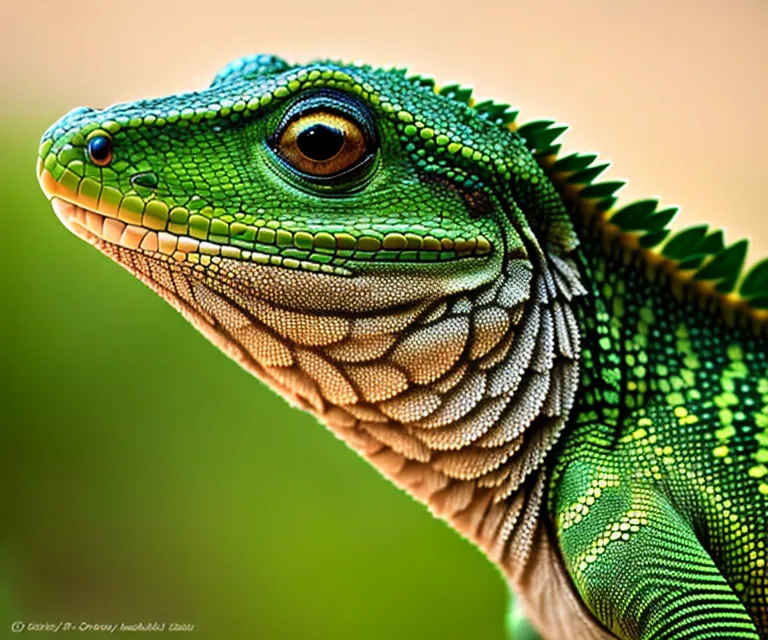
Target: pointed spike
{"points": [[532, 127], [605, 203], [491, 110], [457, 93], [634, 217], [661, 219], [464, 95], [726, 265], [545, 137], [726, 286], [756, 281], [713, 243], [650, 240], [574, 162], [421, 81], [551, 150], [601, 189], [483, 105], [586, 176], [681, 244], [508, 117], [643, 207], [692, 263]]}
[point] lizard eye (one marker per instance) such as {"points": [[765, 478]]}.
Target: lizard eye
{"points": [[322, 143], [327, 138], [100, 150]]}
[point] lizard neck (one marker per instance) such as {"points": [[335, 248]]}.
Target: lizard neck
{"points": [[457, 396]]}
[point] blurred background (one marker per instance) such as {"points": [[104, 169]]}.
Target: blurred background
{"points": [[143, 476]]}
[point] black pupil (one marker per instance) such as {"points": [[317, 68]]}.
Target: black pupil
{"points": [[98, 147], [320, 142]]}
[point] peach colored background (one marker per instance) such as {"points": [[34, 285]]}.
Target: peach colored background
{"points": [[674, 93]]}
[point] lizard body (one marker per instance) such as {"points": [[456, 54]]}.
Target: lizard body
{"points": [[575, 389]]}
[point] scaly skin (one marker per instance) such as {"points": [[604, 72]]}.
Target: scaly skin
{"points": [[468, 313]]}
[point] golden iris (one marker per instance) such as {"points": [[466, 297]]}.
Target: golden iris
{"points": [[322, 143]]}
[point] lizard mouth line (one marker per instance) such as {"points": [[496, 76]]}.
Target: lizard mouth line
{"points": [[90, 225], [267, 246]]}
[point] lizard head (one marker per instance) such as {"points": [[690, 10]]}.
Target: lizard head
{"points": [[386, 255], [323, 169]]}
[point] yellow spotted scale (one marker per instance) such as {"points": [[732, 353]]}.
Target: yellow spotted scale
{"points": [[576, 388]]}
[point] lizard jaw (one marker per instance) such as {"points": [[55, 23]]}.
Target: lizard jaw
{"points": [[93, 226]]}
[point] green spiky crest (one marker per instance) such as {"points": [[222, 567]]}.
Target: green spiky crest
{"points": [[695, 249]]}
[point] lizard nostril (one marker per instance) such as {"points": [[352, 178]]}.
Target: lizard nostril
{"points": [[146, 179]]}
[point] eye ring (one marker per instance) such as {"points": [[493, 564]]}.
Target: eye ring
{"points": [[327, 139], [99, 148], [321, 143]]}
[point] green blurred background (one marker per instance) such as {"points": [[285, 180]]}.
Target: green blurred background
{"points": [[143, 476]]}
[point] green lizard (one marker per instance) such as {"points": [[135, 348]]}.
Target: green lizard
{"points": [[575, 388]]}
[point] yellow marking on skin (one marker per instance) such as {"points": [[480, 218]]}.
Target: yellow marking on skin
{"points": [[54, 189], [580, 508], [758, 471], [620, 530]]}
